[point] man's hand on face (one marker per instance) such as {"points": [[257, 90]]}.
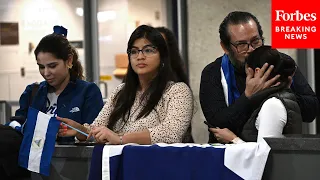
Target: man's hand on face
{"points": [[257, 81]]}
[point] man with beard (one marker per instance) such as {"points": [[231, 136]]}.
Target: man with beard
{"points": [[227, 87]]}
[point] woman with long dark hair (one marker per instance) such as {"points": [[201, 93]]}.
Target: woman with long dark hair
{"points": [[150, 106]]}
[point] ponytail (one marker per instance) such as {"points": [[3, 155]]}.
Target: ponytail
{"points": [[76, 72]]}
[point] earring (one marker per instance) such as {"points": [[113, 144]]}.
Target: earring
{"points": [[162, 64]]}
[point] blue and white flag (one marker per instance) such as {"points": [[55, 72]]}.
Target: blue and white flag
{"points": [[179, 161], [38, 142]]}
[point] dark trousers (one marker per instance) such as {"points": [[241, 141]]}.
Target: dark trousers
{"points": [[10, 141]]}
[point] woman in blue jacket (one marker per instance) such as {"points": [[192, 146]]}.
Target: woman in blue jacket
{"points": [[64, 92]]}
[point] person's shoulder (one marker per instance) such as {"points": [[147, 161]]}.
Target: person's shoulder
{"points": [[213, 66], [273, 103], [117, 89], [120, 86], [85, 84], [273, 106], [32, 85], [283, 55], [177, 87], [179, 91], [81, 82]]}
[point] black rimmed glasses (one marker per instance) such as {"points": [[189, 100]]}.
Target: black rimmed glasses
{"points": [[243, 47], [147, 51]]}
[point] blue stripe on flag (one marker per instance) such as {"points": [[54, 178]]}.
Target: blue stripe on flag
{"points": [[96, 163], [116, 168], [47, 151], [27, 137]]}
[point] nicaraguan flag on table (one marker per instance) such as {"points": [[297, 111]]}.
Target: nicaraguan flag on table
{"points": [[179, 161], [38, 142]]}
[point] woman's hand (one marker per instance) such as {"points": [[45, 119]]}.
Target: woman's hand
{"points": [[223, 135], [103, 135], [65, 131]]}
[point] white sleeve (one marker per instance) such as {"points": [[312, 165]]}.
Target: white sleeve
{"points": [[271, 119]]}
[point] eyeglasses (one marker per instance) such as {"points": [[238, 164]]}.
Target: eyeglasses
{"points": [[243, 47], [147, 51]]}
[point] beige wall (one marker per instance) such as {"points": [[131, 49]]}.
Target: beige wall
{"points": [[204, 18], [145, 12]]}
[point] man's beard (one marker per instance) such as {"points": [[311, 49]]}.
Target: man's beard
{"points": [[235, 62]]}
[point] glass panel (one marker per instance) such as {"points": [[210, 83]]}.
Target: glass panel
{"points": [[35, 19]]}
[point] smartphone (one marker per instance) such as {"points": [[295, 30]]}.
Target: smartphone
{"points": [[209, 125]]}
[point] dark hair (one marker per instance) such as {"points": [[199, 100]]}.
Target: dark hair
{"points": [[234, 18], [283, 64], [60, 47], [126, 96], [177, 64]]}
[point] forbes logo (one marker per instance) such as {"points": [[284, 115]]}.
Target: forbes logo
{"points": [[296, 16]]}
